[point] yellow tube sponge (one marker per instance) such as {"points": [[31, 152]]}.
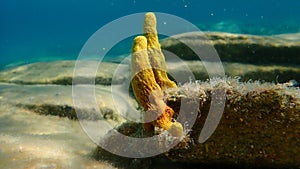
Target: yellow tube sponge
{"points": [[147, 91], [156, 56], [143, 80]]}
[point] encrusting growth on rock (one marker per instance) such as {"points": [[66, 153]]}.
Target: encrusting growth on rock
{"points": [[149, 80]]}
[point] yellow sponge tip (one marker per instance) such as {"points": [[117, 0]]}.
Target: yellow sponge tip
{"points": [[149, 15], [150, 23], [139, 43]]}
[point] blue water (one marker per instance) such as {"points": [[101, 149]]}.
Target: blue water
{"points": [[44, 30]]}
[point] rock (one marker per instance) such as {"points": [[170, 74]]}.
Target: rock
{"points": [[62, 72], [280, 49], [259, 126], [46, 73]]}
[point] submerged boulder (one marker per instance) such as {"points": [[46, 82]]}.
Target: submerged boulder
{"points": [[62, 72], [259, 126], [279, 49]]}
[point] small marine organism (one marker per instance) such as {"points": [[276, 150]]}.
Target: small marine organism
{"points": [[292, 83]]}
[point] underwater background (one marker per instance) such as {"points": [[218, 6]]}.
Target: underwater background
{"points": [[36, 30], [48, 114]]}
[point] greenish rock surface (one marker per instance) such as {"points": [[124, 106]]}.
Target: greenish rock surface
{"points": [[279, 49]]}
